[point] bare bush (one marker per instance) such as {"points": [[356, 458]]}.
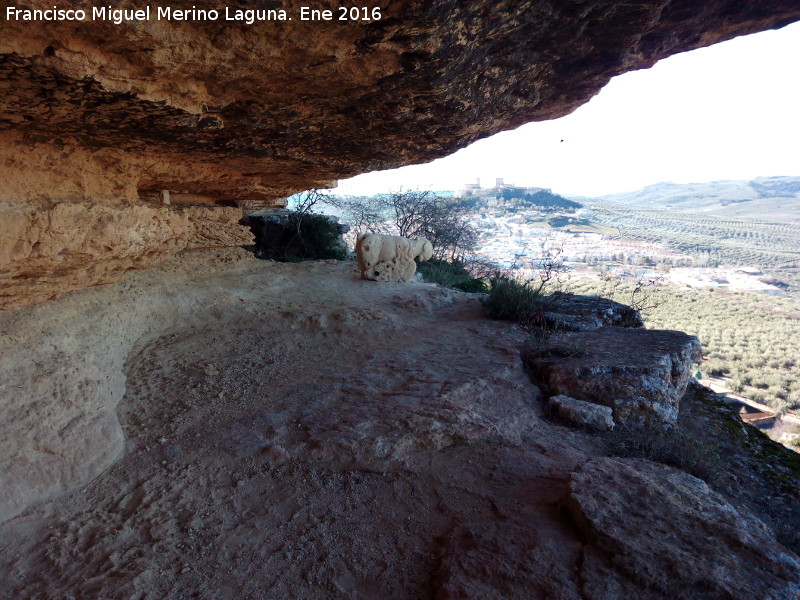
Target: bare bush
{"points": [[443, 220]]}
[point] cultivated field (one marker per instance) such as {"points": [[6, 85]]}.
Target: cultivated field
{"points": [[771, 245]]}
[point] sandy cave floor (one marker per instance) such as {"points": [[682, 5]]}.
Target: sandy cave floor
{"points": [[350, 440]]}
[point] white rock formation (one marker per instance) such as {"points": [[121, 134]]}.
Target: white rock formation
{"points": [[390, 257]]}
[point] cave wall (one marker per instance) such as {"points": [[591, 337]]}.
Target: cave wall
{"points": [[103, 117]]}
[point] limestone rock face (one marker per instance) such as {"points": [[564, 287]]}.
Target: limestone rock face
{"points": [[47, 252], [62, 376], [656, 532], [226, 113], [640, 373], [67, 365], [323, 436]]}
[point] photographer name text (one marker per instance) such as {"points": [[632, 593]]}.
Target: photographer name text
{"points": [[119, 16]]}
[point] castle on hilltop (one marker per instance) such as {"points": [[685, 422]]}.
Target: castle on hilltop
{"points": [[499, 194]]}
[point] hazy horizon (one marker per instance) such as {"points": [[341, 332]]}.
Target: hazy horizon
{"points": [[722, 113], [490, 183]]}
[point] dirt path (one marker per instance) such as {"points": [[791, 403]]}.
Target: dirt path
{"points": [[337, 444]]}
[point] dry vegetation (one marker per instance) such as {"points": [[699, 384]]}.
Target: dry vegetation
{"points": [[753, 339]]}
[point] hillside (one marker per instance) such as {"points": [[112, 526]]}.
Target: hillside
{"points": [[765, 197]]}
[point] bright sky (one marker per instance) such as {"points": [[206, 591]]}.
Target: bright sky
{"points": [[729, 111]]}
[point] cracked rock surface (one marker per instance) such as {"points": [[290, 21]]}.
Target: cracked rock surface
{"points": [[640, 374]]}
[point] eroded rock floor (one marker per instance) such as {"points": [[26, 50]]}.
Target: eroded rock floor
{"points": [[349, 439]]}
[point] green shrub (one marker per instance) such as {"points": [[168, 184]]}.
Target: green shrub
{"points": [[513, 300], [320, 238], [297, 236], [451, 274]]}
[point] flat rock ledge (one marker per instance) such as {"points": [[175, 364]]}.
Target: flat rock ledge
{"points": [[640, 373], [655, 532], [572, 312]]}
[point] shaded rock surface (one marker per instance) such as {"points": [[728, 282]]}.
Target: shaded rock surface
{"points": [[655, 532], [288, 431], [753, 471], [291, 105], [225, 113], [640, 373], [510, 561]]}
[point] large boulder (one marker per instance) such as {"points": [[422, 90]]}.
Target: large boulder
{"points": [[653, 532], [640, 373]]}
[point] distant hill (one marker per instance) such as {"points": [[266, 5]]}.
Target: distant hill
{"points": [[777, 197], [540, 198]]}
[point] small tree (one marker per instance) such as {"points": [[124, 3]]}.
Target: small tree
{"points": [[444, 221], [363, 214]]}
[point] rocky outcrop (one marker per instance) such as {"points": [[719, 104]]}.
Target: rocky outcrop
{"points": [[647, 531], [228, 113], [640, 373], [268, 416], [654, 532]]}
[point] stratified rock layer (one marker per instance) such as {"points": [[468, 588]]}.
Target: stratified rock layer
{"points": [[46, 252], [221, 112], [640, 373]]}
